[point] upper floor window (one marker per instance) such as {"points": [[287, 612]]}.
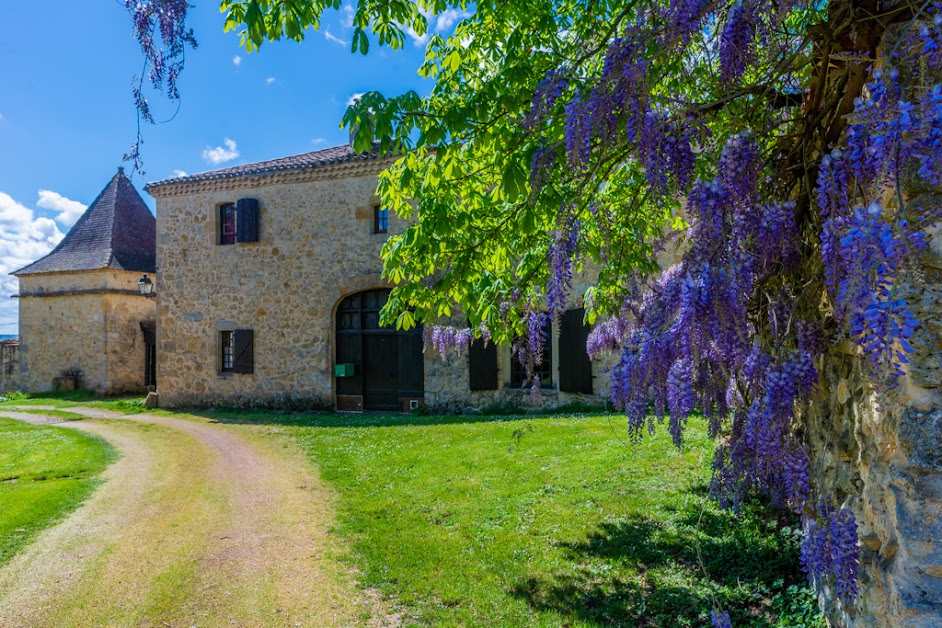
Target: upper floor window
{"points": [[227, 223], [238, 222], [380, 219]]}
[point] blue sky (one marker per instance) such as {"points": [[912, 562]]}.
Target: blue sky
{"points": [[67, 117]]}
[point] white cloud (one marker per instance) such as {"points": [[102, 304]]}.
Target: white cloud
{"points": [[221, 154], [417, 40], [439, 24], [333, 38], [24, 238], [236, 60], [446, 20], [347, 12], [67, 210], [181, 173], [270, 80], [317, 141], [354, 97]]}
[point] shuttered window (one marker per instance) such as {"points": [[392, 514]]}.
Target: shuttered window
{"points": [[575, 368], [482, 365], [238, 222], [237, 351], [543, 370]]}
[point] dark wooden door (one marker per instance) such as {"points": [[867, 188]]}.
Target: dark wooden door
{"points": [[380, 371], [388, 365]]}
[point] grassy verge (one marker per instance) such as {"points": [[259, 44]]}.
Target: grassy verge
{"points": [[546, 521], [127, 405], [45, 473]]}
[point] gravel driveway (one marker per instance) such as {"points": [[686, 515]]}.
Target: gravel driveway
{"points": [[198, 524]]}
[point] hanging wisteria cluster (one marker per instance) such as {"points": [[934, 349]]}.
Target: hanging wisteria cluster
{"points": [[159, 26], [728, 331]]}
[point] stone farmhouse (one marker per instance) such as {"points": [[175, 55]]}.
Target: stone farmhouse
{"points": [[83, 320], [270, 292]]}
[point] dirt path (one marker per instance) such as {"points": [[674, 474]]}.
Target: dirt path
{"points": [[198, 524]]}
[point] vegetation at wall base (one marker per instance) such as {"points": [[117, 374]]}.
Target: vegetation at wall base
{"points": [[45, 473]]}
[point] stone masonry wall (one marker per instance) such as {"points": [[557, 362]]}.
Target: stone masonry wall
{"points": [[881, 456], [95, 332], [315, 247], [447, 379]]}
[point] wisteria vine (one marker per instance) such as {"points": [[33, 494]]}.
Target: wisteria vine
{"points": [[729, 330], [790, 150], [159, 27]]}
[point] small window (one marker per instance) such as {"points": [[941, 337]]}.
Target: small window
{"points": [[227, 344], [380, 219], [237, 351], [238, 222], [227, 223], [543, 370]]}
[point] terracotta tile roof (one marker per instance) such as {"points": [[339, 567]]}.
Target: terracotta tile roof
{"points": [[116, 231], [315, 159]]}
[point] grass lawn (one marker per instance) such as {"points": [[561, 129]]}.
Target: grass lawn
{"points": [[128, 405], [548, 521], [45, 473]]}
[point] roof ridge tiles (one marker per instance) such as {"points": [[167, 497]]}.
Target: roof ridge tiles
{"points": [[301, 161]]}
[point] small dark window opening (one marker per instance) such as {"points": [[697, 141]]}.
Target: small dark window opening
{"points": [[227, 343], [380, 219], [238, 222], [227, 223], [543, 370]]}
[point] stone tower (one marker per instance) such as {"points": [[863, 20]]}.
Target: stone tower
{"points": [[83, 321]]}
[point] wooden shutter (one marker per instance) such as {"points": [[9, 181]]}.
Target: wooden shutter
{"points": [[247, 217], [244, 351], [575, 368], [482, 365]]}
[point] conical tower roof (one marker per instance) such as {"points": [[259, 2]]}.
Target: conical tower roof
{"points": [[116, 231]]}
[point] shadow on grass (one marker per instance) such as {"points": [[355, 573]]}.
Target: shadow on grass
{"points": [[646, 572]]}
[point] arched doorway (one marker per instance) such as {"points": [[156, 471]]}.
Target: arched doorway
{"points": [[388, 369]]}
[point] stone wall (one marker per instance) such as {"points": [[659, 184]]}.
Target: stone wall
{"points": [[9, 365], [84, 323], [881, 456], [315, 247], [447, 379]]}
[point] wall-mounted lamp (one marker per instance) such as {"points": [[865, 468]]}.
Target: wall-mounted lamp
{"points": [[146, 286]]}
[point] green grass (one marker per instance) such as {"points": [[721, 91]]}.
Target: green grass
{"points": [[45, 473], [62, 414], [546, 521], [127, 405]]}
